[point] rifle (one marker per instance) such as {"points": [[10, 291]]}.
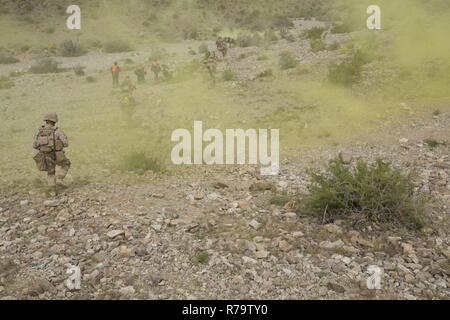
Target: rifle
{"points": [[54, 155]]}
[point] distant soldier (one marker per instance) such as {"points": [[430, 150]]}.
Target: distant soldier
{"points": [[166, 72], [156, 69], [222, 46], [51, 141], [127, 86], [210, 63], [115, 71], [230, 42], [140, 74]]}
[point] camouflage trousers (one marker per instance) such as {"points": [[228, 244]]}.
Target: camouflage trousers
{"points": [[61, 161]]}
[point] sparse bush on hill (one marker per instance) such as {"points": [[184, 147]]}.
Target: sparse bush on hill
{"points": [[6, 83], [47, 65], [349, 71], [265, 74], [90, 79], [377, 192], [288, 60], [317, 45], [70, 48], [314, 33], [7, 59], [228, 75], [138, 161], [270, 36], [116, 46]]}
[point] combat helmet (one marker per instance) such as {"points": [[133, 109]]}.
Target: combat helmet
{"points": [[53, 117]]}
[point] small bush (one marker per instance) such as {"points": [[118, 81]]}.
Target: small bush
{"points": [[265, 74], [71, 49], [270, 36], [432, 143], [8, 59], [47, 65], [287, 60], [279, 199], [349, 71], [90, 79], [245, 40], [228, 75], [317, 45], [314, 33], [262, 57], [202, 257], [158, 53], [378, 192], [49, 30], [5, 83], [140, 162], [116, 46]]}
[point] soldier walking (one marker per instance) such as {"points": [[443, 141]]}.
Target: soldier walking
{"points": [[115, 71], [51, 141]]}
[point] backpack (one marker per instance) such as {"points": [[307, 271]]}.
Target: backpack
{"points": [[46, 140]]}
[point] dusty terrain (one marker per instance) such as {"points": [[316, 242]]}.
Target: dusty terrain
{"points": [[200, 233]]}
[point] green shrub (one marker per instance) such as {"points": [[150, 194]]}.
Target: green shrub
{"points": [[279, 199], [228, 75], [245, 40], [433, 143], [349, 71], [314, 33], [377, 192], [47, 65], [6, 83], [7, 59], [262, 57], [317, 45], [90, 79], [70, 48], [265, 74], [270, 36], [140, 162], [116, 46], [202, 257], [287, 60]]}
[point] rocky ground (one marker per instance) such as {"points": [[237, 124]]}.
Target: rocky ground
{"points": [[214, 235], [211, 233]]}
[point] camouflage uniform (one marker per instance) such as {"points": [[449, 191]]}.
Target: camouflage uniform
{"points": [[209, 61], [51, 141]]}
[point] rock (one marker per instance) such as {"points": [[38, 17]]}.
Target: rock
{"points": [[333, 228], [243, 204], [284, 246], [345, 157], [157, 195], [297, 234], [8, 298], [409, 297], [290, 216], [2, 209], [127, 291], [403, 141], [261, 186], [332, 245], [335, 287], [262, 254], [32, 212], [407, 249], [115, 233], [40, 286], [219, 185], [199, 196], [52, 203], [248, 260], [24, 203], [254, 224]]}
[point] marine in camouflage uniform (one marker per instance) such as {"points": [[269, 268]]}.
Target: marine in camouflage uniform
{"points": [[51, 141], [210, 63], [222, 46]]}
